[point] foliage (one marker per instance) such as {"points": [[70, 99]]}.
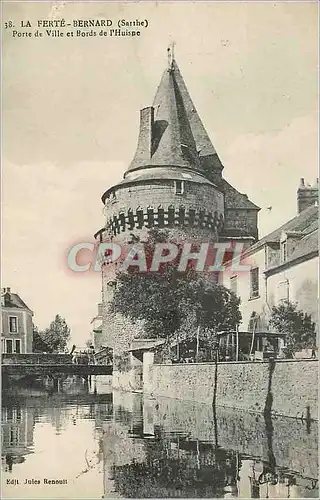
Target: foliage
{"points": [[53, 339], [89, 343], [169, 301], [164, 473], [39, 344], [298, 326]]}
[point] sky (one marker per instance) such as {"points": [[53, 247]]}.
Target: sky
{"points": [[71, 115]]}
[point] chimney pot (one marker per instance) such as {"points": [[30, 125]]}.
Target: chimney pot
{"points": [[8, 290], [302, 182]]}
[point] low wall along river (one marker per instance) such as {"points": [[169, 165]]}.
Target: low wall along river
{"points": [[283, 387]]}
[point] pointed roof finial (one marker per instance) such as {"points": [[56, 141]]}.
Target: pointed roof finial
{"points": [[170, 51]]}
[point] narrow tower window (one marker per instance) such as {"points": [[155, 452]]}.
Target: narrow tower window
{"points": [[178, 187]]}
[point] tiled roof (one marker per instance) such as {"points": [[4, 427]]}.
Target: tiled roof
{"points": [[172, 141], [145, 344], [305, 249], [234, 199], [202, 140], [178, 136], [305, 222], [307, 245], [15, 301]]}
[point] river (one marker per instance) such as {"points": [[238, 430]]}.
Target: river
{"points": [[87, 441]]}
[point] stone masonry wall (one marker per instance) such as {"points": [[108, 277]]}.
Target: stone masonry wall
{"points": [[291, 386], [157, 205], [241, 220], [204, 200], [199, 196]]}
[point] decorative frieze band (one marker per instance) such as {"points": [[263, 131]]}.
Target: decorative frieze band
{"points": [[161, 218]]}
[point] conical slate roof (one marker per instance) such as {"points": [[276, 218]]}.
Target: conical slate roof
{"points": [[203, 143], [171, 132]]}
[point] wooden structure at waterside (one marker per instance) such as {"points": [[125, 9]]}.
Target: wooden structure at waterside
{"points": [[231, 346], [250, 346], [104, 356]]}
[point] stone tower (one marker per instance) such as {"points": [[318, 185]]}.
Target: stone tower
{"points": [[175, 182]]}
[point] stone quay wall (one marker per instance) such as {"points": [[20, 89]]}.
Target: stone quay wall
{"points": [[285, 387], [36, 359]]}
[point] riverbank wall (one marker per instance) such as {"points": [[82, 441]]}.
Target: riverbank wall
{"points": [[281, 387]]}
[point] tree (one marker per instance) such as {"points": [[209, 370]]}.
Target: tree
{"points": [[169, 301], [54, 339], [39, 344], [296, 324], [89, 343]]}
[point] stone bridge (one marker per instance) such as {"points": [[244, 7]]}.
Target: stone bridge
{"points": [[49, 364]]}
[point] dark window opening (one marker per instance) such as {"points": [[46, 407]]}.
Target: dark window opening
{"points": [[13, 324], [181, 215], [234, 284], [170, 216], [9, 346], [130, 220], [150, 217], [161, 217], [284, 251], [178, 187], [18, 346], [139, 219], [192, 216], [254, 282]]}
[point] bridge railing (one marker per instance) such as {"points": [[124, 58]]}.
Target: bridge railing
{"points": [[36, 359]]}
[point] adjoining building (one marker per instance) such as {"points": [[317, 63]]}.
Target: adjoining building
{"points": [[96, 323], [284, 266], [17, 324]]}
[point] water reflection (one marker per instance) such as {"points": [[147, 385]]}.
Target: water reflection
{"points": [[125, 445]]}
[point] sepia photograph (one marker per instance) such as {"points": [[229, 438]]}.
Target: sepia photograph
{"points": [[160, 252]]}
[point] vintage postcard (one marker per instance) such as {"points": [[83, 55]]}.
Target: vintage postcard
{"points": [[160, 253]]}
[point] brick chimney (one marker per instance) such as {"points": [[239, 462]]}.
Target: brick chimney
{"points": [[307, 195], [4, 292]]}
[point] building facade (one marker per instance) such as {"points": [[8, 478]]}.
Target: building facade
{"points": [[17, 325], [284, 266], [96, 324], [175, 182]]}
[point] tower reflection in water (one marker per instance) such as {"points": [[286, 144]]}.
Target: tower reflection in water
{"points": [[167, 448], [158, 450]]}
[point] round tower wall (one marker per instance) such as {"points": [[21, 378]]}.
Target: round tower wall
{"points": [[195, 215], [199, 207]]}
